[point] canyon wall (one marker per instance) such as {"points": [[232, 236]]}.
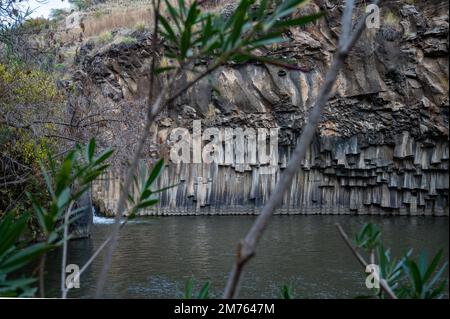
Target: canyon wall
{"points": [[382, 145]]}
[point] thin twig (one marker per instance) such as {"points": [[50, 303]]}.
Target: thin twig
{"points": [[41, 275], [152, 112], [95, 254], [383, 284], [64, 256], [154, 47], [246, 248], [121, 203]]}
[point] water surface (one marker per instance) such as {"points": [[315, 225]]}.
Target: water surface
{"points": [[156, 256]]}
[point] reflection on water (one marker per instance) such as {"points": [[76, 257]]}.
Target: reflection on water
{"points": [[156, 256]]}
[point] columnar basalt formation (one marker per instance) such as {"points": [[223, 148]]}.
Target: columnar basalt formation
{"points": [[338, 176], [381, 148]]}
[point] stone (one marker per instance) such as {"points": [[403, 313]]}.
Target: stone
{"points": [[382, 144]]}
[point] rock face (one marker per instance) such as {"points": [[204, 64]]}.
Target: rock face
{"points": [[382, 146]]}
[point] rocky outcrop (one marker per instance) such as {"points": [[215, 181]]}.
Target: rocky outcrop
{"points": [[380, 149]]}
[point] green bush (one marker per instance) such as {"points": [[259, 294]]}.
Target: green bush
{"points": [[105, 37], [406, 277], [66, 182], [128, 40]]}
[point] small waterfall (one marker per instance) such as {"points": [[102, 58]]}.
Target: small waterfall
{"points": [[100, 219]]}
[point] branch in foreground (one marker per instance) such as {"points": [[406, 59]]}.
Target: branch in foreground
{"points": [[155, 108], [383, 284], [64, 289], [152, 112], [246, 248]]}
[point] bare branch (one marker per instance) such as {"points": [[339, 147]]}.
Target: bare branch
{"points": [[64, 256], [156, 10], [95, 254], [346, 23], [246, 248], [153, 111]]}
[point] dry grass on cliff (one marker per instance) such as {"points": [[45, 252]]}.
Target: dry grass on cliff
{"points": [[106, 20], [132, 16]]}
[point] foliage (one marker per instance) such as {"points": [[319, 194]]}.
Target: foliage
{"points": [[192, 34], [58, 14], [66, 182], [140, 26], [14, 254], [286, 292], [189, 290], [105, 37], [423, 278], [369, 237], [28, 94], [143, 182], [12, 15], [36, 25], [23, 85], [406, 277]]}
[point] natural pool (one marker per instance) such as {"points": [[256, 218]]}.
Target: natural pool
{"points": [[156, 256]]}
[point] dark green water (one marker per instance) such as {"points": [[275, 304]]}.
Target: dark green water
{"points": [[156, 256]]}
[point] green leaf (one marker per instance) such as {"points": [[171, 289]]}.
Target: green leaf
{"points": [[92, 175], [275, 62], [163, 69], [437, 276], [182, 8], [415, 274], [90, 150], [204, 292], [10, 231], [63, 175], [47, 180], [298, 21], [436, 292], [430, 269], [283, 10], [188, 289], [145, 194], [132, 215], [169, 33], [192, 14], [147, 203], [238, 19], [40, 212], [103, 157], [23, 257], [130, 198], [17, 287], [164, 189], [185, 43], [262, 9], [286, 292], [63, 198], [155, 173], [174, 15]]}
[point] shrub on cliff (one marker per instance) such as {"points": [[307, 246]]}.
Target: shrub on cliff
{"points": [[65, 182], [29, 96]]}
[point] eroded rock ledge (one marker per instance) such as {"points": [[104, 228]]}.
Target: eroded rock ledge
{"points": [[382, 147]]}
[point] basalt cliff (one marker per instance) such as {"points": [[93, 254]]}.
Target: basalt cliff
{"points": [[382, 145]]}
